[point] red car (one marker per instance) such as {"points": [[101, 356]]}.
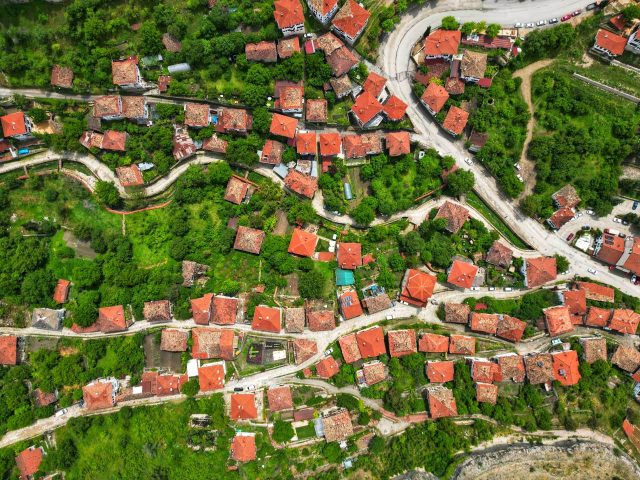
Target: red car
{"points": [[570, 237], [566, 17]]}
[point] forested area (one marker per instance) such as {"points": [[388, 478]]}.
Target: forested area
{"points": [[584, 136]]}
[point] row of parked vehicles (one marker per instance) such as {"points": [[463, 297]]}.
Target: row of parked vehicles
{"points": [[551, 21]]}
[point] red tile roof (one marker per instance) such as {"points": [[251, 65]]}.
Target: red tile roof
{"points": [[316, 110], [440, 372], [349, 347], [133, 106], [243, 406], [455, 215], [322, 6], [237, 189], [243, 447], [249, 240], [624, 321], [499, 255], [558, 320], [114, 140], [61, 76], [575, 301], [462, 274], [611, 250], [398, 143], [330, 144], [433, 343], [302, 184], [374, 84], [283, 126], [288, 46], [510, 328], [267, 319], [28, 461], [272, 152], [371, 342], [540, 270], [302, 243], [130, 175], [442, 42], [565, 367], [484, 323], [304, 349], [288, 13], [98, 395], [567, 196], [618, 21], [224, 310], [291, 97], [394, 108], [627, 358], [212, 343], [366, 107], [462, 345], [512, 367], [350, 306], [125, 71], [632, 263], [454, 86], [441, 402], [306, 143], [341, 60], [337, 426], [8, 350], [61, 293], [280, 398], [174, 340], [234, 120], [327, 367], [169, 384], [106, 106], [402, 342], [486, 393], [611, 42], [111, 319], [594, 348], [196, 114], [351, 18], [201, 309], [261, 52], [215, 144], [485, 371], [539, 368], [561, 217], [597, 317], [374, 372], [455, 120], [294, 318], [456, 313], [321, 320], [349, 255]]}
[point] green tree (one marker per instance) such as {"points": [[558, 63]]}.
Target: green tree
{"points": [[631, 12], [450, 23], [261, 120], [468, 28], [562, 264], [107, 194], [282, 431], [150, 39], [460, 182], [191, 388], [492, 30], [311, 284], [365, 212]]}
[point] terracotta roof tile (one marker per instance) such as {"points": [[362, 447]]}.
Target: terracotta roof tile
{"points": [[197, 114], [224, 310], [125, 72], [484, 323], [462, 345], [280, 398], [575, 301], [288, 13], [473, 64], [398, 143], [341, 60], [512, 367], [61, 76], [249, 240], [558, 320], [374, 84], [441, 402], [417, 287], [234, 120], [261, 52], [237, 190], [322, 6], [612, 249], [111, 319], [294, 319], [290, 98], [442, 42], [371, 342], [486, 393], [201, 309], [98, 395], [567, 197], [349, 347], [304, 349], [627, 358], [215, 144], [462, 274], [61, 292], [597, 317], [440, 372], [455, 215], [212, 343], [28, 461], [243, 406], [8, 350], [330, 144], [539, 368], [565, 367], [433, 343], [288, 46], [337, 426], [499, 255], [243, 446], [510, 328], [328, 43], [174, 340], [594, 348], [454, 86], [374, 372], [283, 126], [377, 303], [351, 18], [211, 376], [272, 152], [106, 106], [130, 175], [624, 321], [366, 107], [114, 140], [316, 110], [540, 270], [402, 342], [341, 85], [349, 255], [321, 320], [133, 106], [485, 371], [327, 367], [302, 184], [267, 319], [457, 313], [561, 217], [350, 306], [394, 108], [456, 120], [611, 42]]}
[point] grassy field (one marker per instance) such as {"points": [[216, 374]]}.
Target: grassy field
{"points": [[616, 77], [495, 220]]}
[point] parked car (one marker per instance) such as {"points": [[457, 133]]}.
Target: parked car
{"points": [[530, 25], [508, 289], [622, 235], [592, 271], [475, 289], [634, 278], [491, 289], [570, 237], [590, 212], [519, 177], [434, 301], [468, 161], [238, 389], [586, 227], [553, 20], [579, 214], [576, 13], [60, 413], [517, 165], [592, 6], [251, 387], [566, 17], [635, 205], [389, 317], [624, 222], [518, 25]]}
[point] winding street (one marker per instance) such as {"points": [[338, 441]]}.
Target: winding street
{"points": [[396, 65]]}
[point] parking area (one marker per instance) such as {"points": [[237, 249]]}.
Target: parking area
{"points": [[599, 223]]}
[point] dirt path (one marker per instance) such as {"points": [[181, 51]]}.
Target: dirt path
{"points": [[527, 166]]}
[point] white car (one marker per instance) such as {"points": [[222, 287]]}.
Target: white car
{"points": [[530, 25], [508, 289], [491, 289], [541, 23], [519, 177], [592, 271], [475, 289], [60, 413], [389, 317], [579, 214], [517, 165], [590, 212], [553, 20], [617, 220], [468, 161], [518, 25], [251, 387], [434, 301]]}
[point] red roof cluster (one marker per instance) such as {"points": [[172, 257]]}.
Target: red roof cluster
{"points": [[402, 342], [302, 184], [394, 108], [349, 255], [330, 144], [327, 367], [303, 243], [366, 107], [371, 342], [462, 274], [566, 367], [398, 143], [283, 126], [456, 120], [540, 270], [440, 372], [433, 343], [442, 42], [558, 320], [212, 343], [267, 319], [350, 305], [288, 13], [351, 18], [243, 406]]}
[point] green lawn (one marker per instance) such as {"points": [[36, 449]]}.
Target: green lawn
{"points": [[308, 431]]}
